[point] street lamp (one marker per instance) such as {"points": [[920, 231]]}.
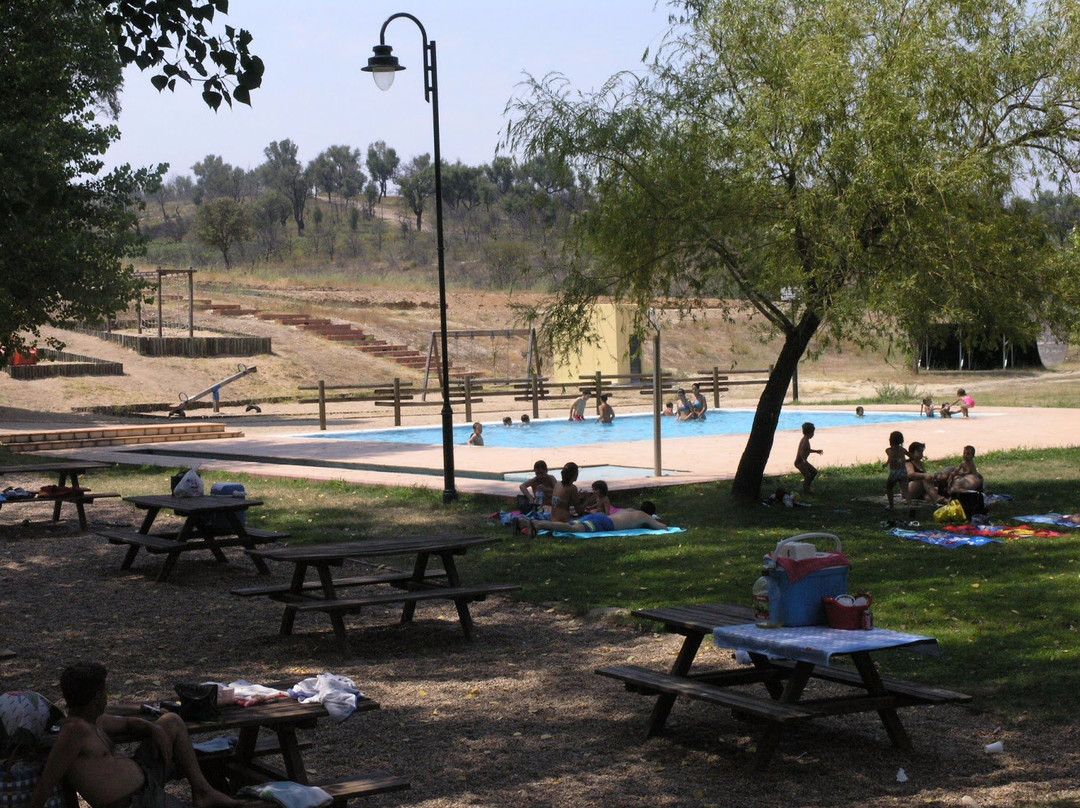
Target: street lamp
{"points": [[382, 66]]}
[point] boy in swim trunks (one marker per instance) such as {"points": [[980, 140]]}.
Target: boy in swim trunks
{"points": [[85, 753]]}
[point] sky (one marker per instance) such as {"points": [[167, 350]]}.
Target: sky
{"points": [[315, 94]]}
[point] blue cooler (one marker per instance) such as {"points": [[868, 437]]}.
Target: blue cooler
{"points": [[800, 602], [220, 523]]}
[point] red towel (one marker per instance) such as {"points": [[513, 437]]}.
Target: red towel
{"points": [[797, 570]]}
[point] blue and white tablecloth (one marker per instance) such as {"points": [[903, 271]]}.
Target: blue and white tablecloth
{"points": [[817, 644]]}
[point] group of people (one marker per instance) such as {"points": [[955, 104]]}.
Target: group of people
{"points": [[907, 471], [684, 409], [605, 413], [477, 436], [962, 404], [573, 511]]}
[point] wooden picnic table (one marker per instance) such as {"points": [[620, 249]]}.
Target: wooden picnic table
{"points": [[210, 523], [388, 585], [263, 732], [68, 477], [785, 661]]}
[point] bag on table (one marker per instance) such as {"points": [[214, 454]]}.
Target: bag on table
{"points": [[18, 779], [951, 513], [190, 485], [197, 702]]}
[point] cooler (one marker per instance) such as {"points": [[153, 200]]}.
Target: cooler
{"points": [[220, 522], [800, 600]]}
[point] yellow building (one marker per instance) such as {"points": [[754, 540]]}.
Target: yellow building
{"points": [[613, 351]]}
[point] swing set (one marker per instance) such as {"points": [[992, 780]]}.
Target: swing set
{"points": [[532, 360]]}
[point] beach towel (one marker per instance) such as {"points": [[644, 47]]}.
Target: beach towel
{"points": [[336, 693], [601, 534], [943, 538], [1003, 531], [1056, 519]]}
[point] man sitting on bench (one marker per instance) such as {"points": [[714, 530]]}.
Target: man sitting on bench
{"points": [[85, 753]]}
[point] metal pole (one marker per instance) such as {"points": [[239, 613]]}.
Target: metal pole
{"points": [[658, 467]]}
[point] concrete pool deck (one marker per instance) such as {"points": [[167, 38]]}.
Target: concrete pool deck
{"points": [[267, 449]]}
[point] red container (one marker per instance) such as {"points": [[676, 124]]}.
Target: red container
{"points": [[845, 616]]}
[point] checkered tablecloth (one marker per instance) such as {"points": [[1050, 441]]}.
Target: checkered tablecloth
{"points": [[817, 644]]}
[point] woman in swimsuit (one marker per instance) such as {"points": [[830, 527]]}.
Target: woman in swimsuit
{"points": [[699, 404], [566, 499], [683, 410]]}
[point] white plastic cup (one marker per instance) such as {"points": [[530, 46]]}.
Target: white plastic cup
{"points": [[995, 748]]}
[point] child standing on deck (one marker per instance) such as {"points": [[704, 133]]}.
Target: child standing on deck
{"points": [[802, 458], [896, 459]]}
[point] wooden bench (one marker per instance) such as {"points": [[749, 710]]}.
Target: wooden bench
{"points": [[909, 693], [392, 577], [154, 543], [79, 500], [342, 791], [467, 594]]}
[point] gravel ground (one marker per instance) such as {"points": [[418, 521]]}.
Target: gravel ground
{"points": [[515, 717]]}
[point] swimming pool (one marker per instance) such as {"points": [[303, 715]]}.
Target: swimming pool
{"points": [[555, 433]]}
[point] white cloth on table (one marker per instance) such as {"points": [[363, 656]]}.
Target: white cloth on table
{"points": [[247, 693], [336, 693], [816, 644]]}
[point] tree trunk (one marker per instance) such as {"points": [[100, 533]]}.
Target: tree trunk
{"points": [[746, 488]]}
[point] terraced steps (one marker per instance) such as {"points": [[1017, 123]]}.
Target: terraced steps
{"points": [[113, 436]]}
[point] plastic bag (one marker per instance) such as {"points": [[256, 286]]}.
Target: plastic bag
{"points": [[951, 513], [190, 485]]}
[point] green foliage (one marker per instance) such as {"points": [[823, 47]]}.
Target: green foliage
{"points": [[223, 223], [896, 394], [174, 39], [416, 182], [382, 162], [860, 153], [65, 227]]}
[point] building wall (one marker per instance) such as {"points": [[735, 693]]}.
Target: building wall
{"points": [[609, 353]]}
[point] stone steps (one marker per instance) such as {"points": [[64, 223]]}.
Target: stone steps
{"points": [[113, 436]]}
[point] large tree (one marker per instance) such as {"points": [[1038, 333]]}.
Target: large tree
{"points": [[66, 227], [416, 183], [862, 153], [283, 173], [382, 162], [223, 223]]}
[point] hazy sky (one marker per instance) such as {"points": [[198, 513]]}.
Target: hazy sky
{"points": [[314, 93]]}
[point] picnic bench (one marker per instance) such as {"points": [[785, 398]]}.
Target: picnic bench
{"points": [[68, 481], [389, 585], [794, 658], [265, 731], [210, 523]]}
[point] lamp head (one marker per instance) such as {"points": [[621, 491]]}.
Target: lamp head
{"points": [[382, 66]]}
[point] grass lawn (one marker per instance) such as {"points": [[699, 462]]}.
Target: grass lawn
{"points": [[1006, 615]]}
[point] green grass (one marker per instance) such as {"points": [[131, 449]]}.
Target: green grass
{"points": [[1007, 616]]}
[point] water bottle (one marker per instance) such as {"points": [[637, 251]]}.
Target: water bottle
{"points": [[766, 595], [539, 509]]}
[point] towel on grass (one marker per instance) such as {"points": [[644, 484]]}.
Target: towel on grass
{"points": [[600, 534], [1002, 531], [943, 538], [1056, 519], [288, 794]]}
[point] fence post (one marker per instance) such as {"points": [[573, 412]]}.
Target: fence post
{"points": [[535, 385], [397, 401], [599, 384], [716, 387], [468, 399], [322, 405]]}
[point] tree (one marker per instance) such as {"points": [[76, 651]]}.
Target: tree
{"points": [[214, 178], [65, 227], [283, 173], [382, 162], [173, 38], [223, 223], [860, 152], [337, 170], [416, 182]]}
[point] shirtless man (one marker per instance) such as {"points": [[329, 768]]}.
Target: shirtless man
{"points": [[626, 519], [85, 753], [577, 409]]}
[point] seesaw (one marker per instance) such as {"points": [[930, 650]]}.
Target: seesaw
{"points": [[214, 390]]}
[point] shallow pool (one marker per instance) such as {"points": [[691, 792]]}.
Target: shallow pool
{"points": [[554, 433]]}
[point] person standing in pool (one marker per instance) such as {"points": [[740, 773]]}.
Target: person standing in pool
{"points": [[683, 410], [477, 436], [699, 405], [604, 411], [577, 409]]}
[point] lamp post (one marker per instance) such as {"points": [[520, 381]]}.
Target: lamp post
{"points": [[382, 66]]}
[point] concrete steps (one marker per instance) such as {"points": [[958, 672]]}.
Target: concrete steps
{"points": [[113, 436]]}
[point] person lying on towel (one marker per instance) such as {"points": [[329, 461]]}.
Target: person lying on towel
{"points": [[626, 519]]}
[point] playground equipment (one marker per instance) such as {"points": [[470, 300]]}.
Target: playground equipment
{"points": [[214, 390]]}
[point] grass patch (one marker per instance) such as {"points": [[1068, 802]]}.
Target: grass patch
{"points": [[1007, 616]]}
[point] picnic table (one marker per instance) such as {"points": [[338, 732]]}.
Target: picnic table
{"points": [[210, 523], [262, 733], [381, 584], [68, 487], [785, 661]]}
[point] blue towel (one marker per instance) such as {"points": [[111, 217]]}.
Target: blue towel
{"points": [[1056, 519], [636, 531], [943, 538]]}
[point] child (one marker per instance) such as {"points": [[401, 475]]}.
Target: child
{"points": [[541, 487], [859, 411], [598, 501], [508, 421], [927, 407], [669, 410], [896, 460], [477, 438], [802, 462], [966, 477], [965, 402], [525, 420]]}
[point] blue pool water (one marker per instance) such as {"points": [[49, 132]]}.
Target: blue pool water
{"points": [[549, 434]]}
